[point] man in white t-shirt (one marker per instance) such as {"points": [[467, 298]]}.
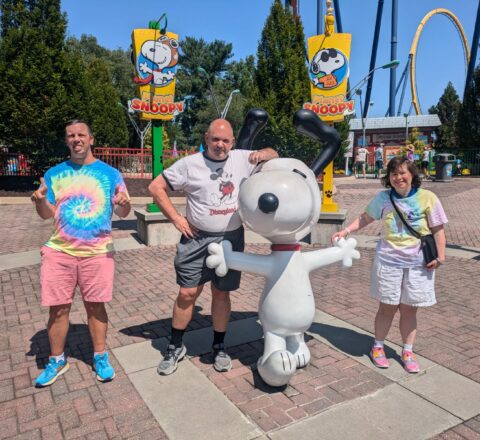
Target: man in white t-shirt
{"points": [[360, 161], [211, 182]]}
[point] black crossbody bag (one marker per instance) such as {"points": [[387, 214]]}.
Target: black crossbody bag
{"points": [[428, 245]]}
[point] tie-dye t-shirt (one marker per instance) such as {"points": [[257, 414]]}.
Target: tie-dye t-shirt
{"points": [[83, 196], [421, 210]]}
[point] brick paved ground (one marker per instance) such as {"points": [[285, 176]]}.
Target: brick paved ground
{"points": [[79, 407]]}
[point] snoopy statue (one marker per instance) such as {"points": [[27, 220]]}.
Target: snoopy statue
{"points": [[281, 202]]}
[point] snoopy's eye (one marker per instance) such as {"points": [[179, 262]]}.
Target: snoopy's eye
{"points": [[299, 172], [173, 43]]}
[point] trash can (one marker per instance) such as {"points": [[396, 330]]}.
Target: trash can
{"points": [[444, 167]]}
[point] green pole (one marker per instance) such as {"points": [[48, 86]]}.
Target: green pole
{"points": [[157, 134], [157, 157]]}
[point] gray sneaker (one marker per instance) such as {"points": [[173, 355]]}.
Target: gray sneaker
{"points": [[221, 360], [172, 357]]}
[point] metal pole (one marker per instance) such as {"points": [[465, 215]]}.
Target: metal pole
{"points": [[214, 98], [406, 127], [393, 56], [373, 57], [319, 17], [227, 105], [473, 53]]}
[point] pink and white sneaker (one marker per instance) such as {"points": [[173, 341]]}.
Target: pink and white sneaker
{"points": [[377, 355], [410, 362]]}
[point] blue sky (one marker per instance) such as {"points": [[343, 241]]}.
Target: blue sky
{"points": [[439, 56]]}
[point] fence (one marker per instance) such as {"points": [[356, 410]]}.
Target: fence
{"points": [[467, 163], [131, 162], [135, 163]]}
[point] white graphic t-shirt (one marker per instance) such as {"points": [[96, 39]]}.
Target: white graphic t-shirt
{"points": [[362, 154], [211, 188]]}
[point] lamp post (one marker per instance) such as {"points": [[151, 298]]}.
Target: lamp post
{"points": [[363, 119], [203, 72], [141, 133], [406, 115], [227, 105], [390, 65]]}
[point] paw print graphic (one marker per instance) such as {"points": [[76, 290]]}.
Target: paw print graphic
{"points": [[328, 194]]}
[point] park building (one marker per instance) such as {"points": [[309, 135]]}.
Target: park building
{"points": [[392, 132]]}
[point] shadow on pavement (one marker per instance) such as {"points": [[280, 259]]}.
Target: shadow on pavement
{"points": [[349, 341], [78, 346]]}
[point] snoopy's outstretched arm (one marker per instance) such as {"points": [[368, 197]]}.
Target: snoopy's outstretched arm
{"points": [[222, 258], [344, 250]]}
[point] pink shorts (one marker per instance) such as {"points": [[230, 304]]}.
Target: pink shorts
{"points": [[60, 273]]}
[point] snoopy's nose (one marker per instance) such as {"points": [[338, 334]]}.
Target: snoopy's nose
{"points": [[268, 202]]}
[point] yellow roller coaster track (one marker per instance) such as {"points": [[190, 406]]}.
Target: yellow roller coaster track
{"points": [[413, 49]]}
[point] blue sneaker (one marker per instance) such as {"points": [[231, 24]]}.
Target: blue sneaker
{"points": [[51, 373], [101, 364]]}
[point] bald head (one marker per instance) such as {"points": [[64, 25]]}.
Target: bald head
{"points": [[220, 124], [219, 139]]}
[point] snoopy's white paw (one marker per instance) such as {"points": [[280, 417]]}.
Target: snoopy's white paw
{"points": [[348, 250], [278, 368], [144, 68], [216, 260]]}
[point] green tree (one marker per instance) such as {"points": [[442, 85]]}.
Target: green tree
{"points": [[44, 83], [281, 83], [104, 85], [192, 86], [34, 99], [468, 125], [447, 110], [106, 117]]}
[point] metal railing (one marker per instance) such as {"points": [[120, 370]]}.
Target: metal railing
{"points": [[131, 162]]}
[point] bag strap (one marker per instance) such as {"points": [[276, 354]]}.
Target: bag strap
{"points": [[412, 231]]}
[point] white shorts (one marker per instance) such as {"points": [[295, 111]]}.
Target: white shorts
{"points": [[413, 286]]}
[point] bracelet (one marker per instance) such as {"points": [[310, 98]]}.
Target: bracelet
{"points": [[439, 263]]}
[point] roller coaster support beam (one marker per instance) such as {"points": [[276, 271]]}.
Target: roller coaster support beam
{"points": [[338, 17], [393, 56], [320, 17], [373, 57], [404, 78], [473, 53]]}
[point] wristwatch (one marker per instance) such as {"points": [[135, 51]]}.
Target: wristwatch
{"points": [[439, 263]]}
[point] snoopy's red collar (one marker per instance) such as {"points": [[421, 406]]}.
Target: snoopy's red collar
{"points": [[286, 247]]}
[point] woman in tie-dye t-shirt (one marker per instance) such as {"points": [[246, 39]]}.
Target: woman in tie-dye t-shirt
{"points": [[400, 280]]}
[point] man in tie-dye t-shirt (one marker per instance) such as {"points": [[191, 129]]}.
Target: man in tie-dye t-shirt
{"points": [[80, 195]]}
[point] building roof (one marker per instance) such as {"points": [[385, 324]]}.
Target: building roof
{"points": [[396, 122]]}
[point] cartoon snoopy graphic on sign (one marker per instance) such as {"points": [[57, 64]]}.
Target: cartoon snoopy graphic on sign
{"points": [[160, 55], [324, 63], [281, 202]]}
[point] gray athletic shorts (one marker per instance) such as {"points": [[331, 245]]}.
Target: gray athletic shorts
{"points": [[190, 264]]}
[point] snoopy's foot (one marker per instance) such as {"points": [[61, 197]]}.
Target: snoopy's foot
{"points": [[302, 356], [278, 369], [296, 345]]}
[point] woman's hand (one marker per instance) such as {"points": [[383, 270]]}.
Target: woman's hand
{"points": [[340, 234], [435, 264]]}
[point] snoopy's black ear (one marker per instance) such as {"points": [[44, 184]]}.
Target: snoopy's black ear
{"points": [[254, 123], [309, 124]]}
